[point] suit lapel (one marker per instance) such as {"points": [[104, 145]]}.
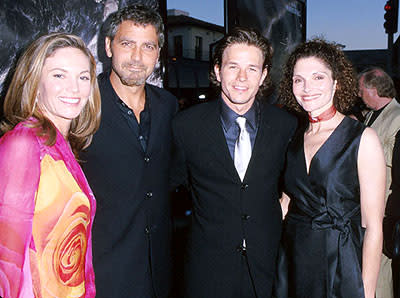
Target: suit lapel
{"points": [[215, 137], [379, 121], [156, 118], [264, 131]]}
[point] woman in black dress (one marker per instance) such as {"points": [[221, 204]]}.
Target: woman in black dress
{"points": [[334, 181]]}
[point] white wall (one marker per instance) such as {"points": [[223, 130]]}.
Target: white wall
{"points": [[189, 34]]}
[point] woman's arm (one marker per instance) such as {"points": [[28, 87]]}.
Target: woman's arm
{"points": [[372, 177], [284, 200], [19, 178]]}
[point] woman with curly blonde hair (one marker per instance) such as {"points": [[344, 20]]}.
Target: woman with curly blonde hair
{"points": [[51, 109], [334, 182]]}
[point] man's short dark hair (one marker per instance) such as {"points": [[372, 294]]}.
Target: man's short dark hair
{"points": [[247, 36], [139, 14]]}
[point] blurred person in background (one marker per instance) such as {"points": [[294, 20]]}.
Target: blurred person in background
{"points": [[377, 90]]}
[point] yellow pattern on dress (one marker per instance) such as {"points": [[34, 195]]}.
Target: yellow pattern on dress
{"points": [[61, 218]]}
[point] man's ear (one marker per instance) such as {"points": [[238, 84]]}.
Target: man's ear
{"points": [[375, 92], [216, 71], [107, 45], [263, 76]]}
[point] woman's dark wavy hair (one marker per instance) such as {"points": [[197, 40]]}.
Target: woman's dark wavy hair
{"points": [[342, 71], [251, 37]]}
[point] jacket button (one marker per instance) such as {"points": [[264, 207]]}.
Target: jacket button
{"points": [[245, 217], [149, 195], [240, 249], [147, 230], [244, 186], [147, 159]]}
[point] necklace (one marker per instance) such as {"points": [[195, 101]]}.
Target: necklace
{"points": [[328, 114]]}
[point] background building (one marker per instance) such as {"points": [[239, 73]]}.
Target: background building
{"points": [[189, 47]]}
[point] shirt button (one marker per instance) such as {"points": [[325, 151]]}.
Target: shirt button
{"points": [[140, 137], [147, 230], [245, 217], [147, 159], [129, 112], [149, 195], [244, 186]]}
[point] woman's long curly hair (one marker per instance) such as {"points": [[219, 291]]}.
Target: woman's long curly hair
{"points": [[342, 71]]}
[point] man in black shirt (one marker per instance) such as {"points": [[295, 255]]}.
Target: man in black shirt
{"points": [[128, 161]]}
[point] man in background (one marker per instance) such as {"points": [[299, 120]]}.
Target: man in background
{"points": [[376, 88]]}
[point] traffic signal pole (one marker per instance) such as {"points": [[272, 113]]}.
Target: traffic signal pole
{"points": [[390, 54], [391, 18]]}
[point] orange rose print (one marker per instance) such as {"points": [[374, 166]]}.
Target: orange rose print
{"points": [[62, 216]]}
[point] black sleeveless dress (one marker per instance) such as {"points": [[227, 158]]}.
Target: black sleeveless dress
{"points": [[323, 235]]}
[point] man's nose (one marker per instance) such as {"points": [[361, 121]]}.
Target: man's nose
{"points": [[136, 54], [242, 75]]}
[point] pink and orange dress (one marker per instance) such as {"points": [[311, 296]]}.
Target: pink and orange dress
{"points": [[46, 215]]}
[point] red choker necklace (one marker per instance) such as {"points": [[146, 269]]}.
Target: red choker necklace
{"points": [[328, 114]]}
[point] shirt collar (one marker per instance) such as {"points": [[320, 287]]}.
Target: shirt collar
{"points": [[228, 116], [121, 103]]}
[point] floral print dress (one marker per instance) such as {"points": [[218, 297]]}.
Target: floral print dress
{"points": [[46, 217]]}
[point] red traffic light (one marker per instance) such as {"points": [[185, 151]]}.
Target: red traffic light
{"points": [[391, 16]]}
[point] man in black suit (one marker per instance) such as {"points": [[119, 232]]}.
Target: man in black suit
{"points": [[128, 161], [232, 168]]}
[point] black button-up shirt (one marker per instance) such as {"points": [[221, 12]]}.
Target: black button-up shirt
{"points": [[141, 130]]}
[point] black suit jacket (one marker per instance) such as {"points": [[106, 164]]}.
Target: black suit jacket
{"points": [[224, 209], [131, 232]]}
